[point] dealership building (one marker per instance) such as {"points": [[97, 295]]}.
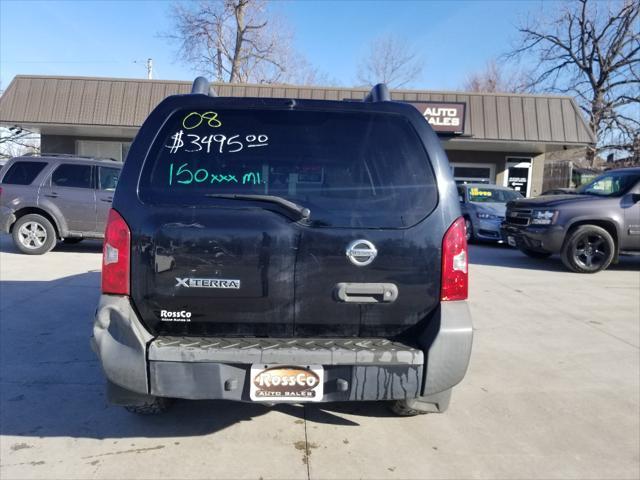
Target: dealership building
{"points": [[489, 137]]}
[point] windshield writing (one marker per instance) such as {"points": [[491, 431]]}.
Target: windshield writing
{"points": [[350, 168], [488, 195]]}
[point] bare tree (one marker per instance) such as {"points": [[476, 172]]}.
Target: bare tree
{"points": [[15, 141], [591, 50], [493, 78], [304, 73], [235, 41], [390, 60]]}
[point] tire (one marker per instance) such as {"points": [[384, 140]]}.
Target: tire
{"points": [[535, 254], [152, 407], [588, 249], [33, 234], [400, 408], [72, 240], [469, 229]]}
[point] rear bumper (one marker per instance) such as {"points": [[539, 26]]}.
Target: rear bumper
{"points": [[219, 368], [539, 238], [7, 218], [201, 368]]}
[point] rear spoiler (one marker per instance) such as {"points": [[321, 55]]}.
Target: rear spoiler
{"points": [[379, 92]]}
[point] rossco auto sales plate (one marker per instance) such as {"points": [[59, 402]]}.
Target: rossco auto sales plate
{"points": [[286, 383]]}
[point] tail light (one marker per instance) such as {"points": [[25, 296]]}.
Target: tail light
{"points": [[455, 268], [115, 255]]}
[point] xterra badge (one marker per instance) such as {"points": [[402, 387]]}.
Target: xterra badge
{"points": [[207, 283]]}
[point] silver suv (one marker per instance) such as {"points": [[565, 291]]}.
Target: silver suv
{"points": [[55, 197]]}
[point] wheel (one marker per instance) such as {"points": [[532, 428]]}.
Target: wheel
{"points": [[535, 254], [469, 229], [72, 240], [151, 407], [400, 408], [588, 249], [33, 234]]}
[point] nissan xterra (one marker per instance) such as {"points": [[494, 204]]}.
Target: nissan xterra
{"points": [[284, 250]]}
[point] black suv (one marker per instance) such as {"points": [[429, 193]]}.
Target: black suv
{"points": [[284, 250], [589, 229], [50, 197]]}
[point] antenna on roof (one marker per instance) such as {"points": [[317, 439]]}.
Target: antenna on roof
{"points": [[379, 93], [202, 86]]}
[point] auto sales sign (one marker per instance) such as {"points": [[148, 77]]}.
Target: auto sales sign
{"points": [[443, 117]]}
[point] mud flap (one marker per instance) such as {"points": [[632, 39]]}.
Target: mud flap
{"points": [[116, 395], [437, 403]]}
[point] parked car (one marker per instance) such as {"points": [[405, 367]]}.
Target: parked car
{"points": [[54, 197], [483, 207], [589, 229], [281, 250], [559, 191]]}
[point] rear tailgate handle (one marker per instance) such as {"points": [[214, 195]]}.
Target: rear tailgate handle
{"points": [[366, 292]]}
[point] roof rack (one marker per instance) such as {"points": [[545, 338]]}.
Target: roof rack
{"points": [[379, 93], [202, 86], [67, 155]]}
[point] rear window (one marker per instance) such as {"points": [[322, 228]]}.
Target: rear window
{"points": [[23, 173], [350, 169]]}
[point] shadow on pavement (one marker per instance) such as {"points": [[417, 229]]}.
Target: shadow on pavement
{"points": [[51, 384], [499, 255], [85, 246]]}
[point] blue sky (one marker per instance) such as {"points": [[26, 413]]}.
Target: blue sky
{"points": [[105, 38]]}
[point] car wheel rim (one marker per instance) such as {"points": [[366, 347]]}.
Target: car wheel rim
{"points": [[32, 235], [468, 229], [591, 251]]}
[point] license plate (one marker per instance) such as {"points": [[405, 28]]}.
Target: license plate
{"points": [[511, 241], [286, 383]]}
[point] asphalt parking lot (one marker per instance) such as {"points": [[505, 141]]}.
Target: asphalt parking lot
{"points": [[553, 390]]}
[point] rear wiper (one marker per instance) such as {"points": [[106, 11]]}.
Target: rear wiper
{"points": [[303, 212]]}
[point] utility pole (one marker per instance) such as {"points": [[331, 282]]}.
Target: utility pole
{"points": [[149, 67]]}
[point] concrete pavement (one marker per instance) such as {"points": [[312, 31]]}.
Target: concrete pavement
{"points": [[553, 390]]}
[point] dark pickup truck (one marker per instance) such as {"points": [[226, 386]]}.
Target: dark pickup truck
{"points": [[589, 229], [284, 250]]}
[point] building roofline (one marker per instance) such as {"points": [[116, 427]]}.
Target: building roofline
{"points": [[358, 88], [22, 103], [453, 140]]}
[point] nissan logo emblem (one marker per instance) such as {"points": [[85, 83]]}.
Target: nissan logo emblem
{"points": [[361, 252]]}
